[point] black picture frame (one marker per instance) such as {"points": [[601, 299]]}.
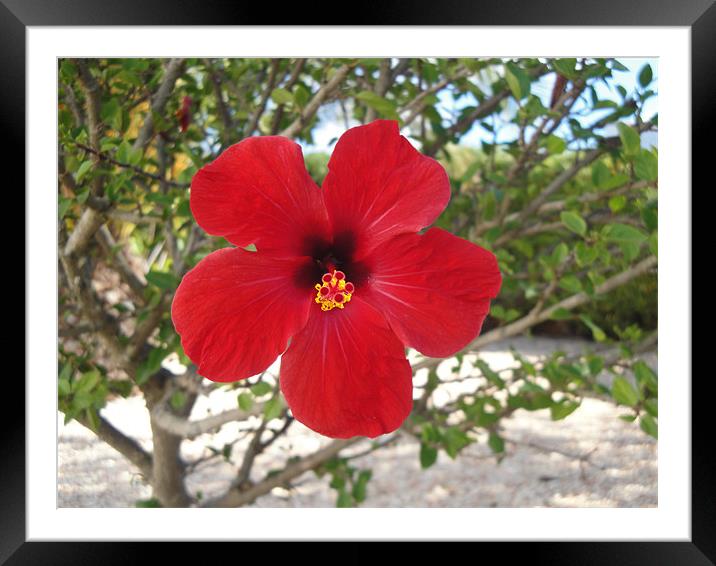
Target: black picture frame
{"points": [[698, 15]]}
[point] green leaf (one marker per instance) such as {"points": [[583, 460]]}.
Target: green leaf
{"points": [[555, 144], [597, 332], [570, 283], [273, 408], [261, 388], [559, 254], [147, 503], [111, 114], [649, 425], [162, 279], [123, 150], [338, 481], [615, 181], [600, 174], [151, 365], [585, 254], [517, 80], [650, 216], [574, 222], [645, 75], [428, 455], [624, 233], [645, 376], [624, 392], [63, 206], [345, 500], [301, 95], [359, 487], [84, 167], [454, 440], [563, 409], [652, 407], [281, 96], [491, 375], [87, 382], [631, 140], [596, 364], [381, 105], [93, 419], [616, 203], [646, 166], [654, 243], [560, 314], [565, 67], [63, 387], [246, 401], [496, 443], [65, 372]]}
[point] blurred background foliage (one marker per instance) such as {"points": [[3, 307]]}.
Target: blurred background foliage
{"points": [[553, 166]]}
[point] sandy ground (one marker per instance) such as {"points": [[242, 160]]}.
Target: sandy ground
{"points": [[591, 459]]}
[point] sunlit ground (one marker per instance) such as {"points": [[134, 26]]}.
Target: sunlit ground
{"points": [[592, 459]]}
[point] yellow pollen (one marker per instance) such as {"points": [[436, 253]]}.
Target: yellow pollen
{"points": [[335, 295]]}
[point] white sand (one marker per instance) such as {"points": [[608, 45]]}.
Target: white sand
{"points": [[591, 459]]}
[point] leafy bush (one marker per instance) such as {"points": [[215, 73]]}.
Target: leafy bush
{"points": [[561, 189]]}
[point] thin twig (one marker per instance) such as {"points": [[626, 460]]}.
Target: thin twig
{"points": [[236, 498], [315, 103], [171, 73], [128, 447]]}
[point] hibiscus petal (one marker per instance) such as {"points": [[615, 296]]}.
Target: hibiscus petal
{"points": [[259, 192], [236, 310], [345, 374], [378, 185], [434, 289]]}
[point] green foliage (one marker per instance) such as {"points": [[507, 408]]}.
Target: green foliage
{"points": [[261, 388], [148, 503], [273, 408], [574, 222], [349, 482], [518, 80], [565, 196]]}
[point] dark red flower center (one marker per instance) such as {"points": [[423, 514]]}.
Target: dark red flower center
{"points": [[333, 292]]}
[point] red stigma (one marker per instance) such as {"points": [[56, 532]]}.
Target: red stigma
{"points": [[334, 291]]}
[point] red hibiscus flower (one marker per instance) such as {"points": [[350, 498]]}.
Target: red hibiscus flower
{"points": [[341, 281]]}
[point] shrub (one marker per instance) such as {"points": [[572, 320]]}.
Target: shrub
{"points": [[561, 188]]}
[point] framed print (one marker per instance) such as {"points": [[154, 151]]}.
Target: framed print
{"points": [[388, 281]]}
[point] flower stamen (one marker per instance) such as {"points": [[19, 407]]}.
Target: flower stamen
{"points": [[334, 291]]}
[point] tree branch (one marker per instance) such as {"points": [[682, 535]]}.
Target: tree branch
{"points": [[236, 498], [315, 103], [416, 106], [173, 69], [487, 106], [105, 326], [381, 86], [251, 126], [126, 446], [293, 79], [220, 103], [138, 170], [108, 244], [91, 219], [191, 429]]}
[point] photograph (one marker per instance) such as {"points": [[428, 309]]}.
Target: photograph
{"points": [[393, 282], [399, 279]]}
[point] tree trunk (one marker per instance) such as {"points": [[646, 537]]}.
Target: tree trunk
{"points": [[168, 468]]}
